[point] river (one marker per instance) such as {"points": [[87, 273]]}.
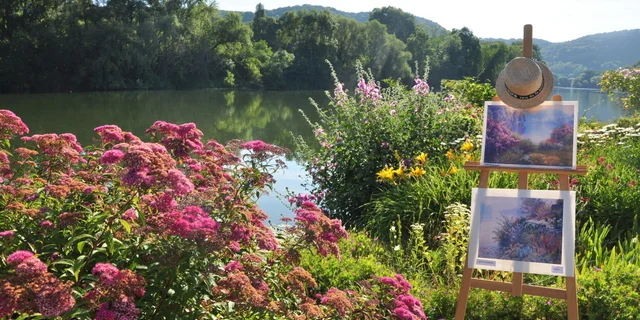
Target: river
{"points": [[220, 114]]}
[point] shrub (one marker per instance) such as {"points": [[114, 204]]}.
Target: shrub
{"points": [[419, 193], [470, 90], [160, 230], [359, 133]]}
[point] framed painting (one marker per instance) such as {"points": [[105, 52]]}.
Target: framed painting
{"points": [[540, 137], [529, 231]]}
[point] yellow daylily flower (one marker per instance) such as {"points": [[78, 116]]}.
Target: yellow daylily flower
{"points": [[468, 156], [399, 172], [453, 170], [422, 158], [417, 172], [450, 155], [467, 146], [386, 174]]}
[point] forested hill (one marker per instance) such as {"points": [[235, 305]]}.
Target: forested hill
{"points": [[247, 16], [541, 43], [593, 53], [598, 52]]}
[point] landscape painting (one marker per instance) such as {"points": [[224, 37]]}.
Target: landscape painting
{"points": [[522, 230], [543, 136]]}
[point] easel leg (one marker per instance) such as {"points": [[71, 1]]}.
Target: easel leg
{"points": [[461, 307], [516, 284], [572, 299]]}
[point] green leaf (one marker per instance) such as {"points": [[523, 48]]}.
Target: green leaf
{"points": [[80, 246], [126, 225]]}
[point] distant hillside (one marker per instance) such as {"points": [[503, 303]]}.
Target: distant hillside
{"points": [[540, 42], [569, 59], [599, 52], [247, 16]]}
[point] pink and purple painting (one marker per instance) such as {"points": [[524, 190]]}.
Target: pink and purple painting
{"points": [[543, 136]]}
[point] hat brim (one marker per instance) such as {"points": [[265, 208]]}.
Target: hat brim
{"points": [[502, 93]]}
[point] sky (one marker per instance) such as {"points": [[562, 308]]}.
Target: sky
{"points": [[552, 20]]}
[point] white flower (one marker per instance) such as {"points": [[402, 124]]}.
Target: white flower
{"points": [[396, 248], [392, 229]]}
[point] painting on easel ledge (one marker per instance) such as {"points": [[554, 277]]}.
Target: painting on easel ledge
{"points": [[529, 231], [540, 137]]}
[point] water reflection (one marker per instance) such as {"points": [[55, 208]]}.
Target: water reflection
{"points": [[593, 103], [221, 115]]}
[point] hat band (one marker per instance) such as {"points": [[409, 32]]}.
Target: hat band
{"points": [[527, 97]]}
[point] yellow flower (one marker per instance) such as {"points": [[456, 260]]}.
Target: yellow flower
{"points": [[468, 156], [467, 146], [442, 172], [386, 174], [417, 172], [450, 155], [399, 172], [453, 170], [422, 158]]}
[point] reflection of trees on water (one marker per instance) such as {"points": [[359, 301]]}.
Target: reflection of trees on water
{"points": [[221, 115]]}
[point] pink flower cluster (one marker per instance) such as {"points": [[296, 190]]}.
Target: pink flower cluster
{"points": [[369, 90], [181, 140], [11, 125], [318, 230], [4, 164], [33, 289], [64, 147], [403, 304], [421, 87], [630, 73], [115, 292], [338, 300], [113, 134], [192, 223], [7, 234]]}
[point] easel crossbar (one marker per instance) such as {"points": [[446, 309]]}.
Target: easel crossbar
{"points": [[526, 289], [475, 165]]}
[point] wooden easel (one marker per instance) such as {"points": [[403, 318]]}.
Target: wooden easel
{"points": [[516, 287]]}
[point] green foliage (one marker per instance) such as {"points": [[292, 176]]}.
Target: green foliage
{"points": [[399, 23], [361, 258], [626, 81], [359, 134], [470, 91], [361, 17], [420, 199], [230, 79], [608, 191]]}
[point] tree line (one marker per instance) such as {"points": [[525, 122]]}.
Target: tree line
{"points": [[98, 45]]}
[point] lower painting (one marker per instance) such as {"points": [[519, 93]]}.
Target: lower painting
{"points": [[529, 231]]}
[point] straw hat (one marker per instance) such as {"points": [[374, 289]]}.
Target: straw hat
{"points": [[524, 83]]}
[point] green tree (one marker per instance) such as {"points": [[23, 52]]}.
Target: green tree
{"points": [[310, 36], [264, 27], [626, 81], [399, 23], [419, 46]]}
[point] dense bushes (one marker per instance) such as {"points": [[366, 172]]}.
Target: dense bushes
{"points": [[128, 229], [361, 133]]}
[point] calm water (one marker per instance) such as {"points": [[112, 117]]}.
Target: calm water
{"points": [[221, 115]]}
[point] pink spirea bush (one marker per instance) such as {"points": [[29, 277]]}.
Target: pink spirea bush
{"points": [[164, 228]]}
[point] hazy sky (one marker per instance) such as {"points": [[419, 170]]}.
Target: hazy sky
{"points": [[552, 20]]}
